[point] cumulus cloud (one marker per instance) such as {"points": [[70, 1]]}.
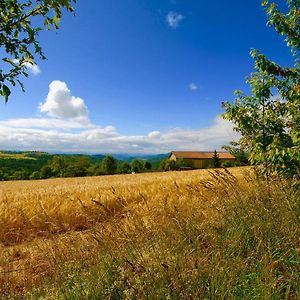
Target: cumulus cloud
{"points": [[193, 86], [173, 19], [61, 104]]}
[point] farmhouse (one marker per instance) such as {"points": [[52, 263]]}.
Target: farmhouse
{"points": [[198, 160]]}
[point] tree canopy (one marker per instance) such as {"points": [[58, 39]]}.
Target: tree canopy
{"points": [[19, 36], [269, 119]]}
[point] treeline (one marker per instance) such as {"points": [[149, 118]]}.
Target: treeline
{"points": [[41, 165], [68, 166]]}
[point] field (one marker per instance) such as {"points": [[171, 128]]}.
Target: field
{"points": [[174, 235], [15, 156]]}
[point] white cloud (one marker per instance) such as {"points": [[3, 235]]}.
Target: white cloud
{"points": [[20, 134], [173, 19], [33, 68], [193, 86], [154, 134], [61, 104], [45, 123]]}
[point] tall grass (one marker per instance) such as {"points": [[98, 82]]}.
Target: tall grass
{"points": [[186, 237]]}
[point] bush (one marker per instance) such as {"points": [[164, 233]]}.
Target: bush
{"points": [[227, 164], [35, 175]]}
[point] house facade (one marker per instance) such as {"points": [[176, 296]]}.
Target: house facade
{"points": [[198, 159]]}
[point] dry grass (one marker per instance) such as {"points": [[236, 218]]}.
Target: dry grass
{"points": [[30, 209], [177, 235]]}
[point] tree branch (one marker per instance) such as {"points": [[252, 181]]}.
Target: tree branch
{"points": [[21, 19]]}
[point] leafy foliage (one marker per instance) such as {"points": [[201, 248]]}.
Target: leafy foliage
{"points": [[109, 165], [136, 166], [269, 119], [124, 168], [40, 165], [238, 152], [147, 165], [19, 37]]}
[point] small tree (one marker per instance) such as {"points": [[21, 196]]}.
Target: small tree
{"points": [[216, 161], [80, 165], [147, 165], [162, 164], [136, 166], [170, 165], [94, 170], [58, 165], [269, 119], [46, 172], [109, 165], [124, 168]]}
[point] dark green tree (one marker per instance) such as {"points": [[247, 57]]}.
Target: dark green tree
{"points": [[2, 175], [59, 165], [124, 168], [269, 119], [109, 165], [136, 166], [19, 31], [94, 170], [79, 166], [147, 165], [46, 172], [216, 161], [163, 164]]}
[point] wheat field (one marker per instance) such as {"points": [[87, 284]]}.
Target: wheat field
{"points": [[176, 235]]}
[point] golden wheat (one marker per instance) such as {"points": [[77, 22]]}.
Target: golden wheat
{"points": [[53, 228]]}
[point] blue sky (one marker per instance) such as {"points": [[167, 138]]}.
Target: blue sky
{"points": [[150, 76]]}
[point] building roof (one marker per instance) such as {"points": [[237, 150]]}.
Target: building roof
{"points": [[201, 155]]}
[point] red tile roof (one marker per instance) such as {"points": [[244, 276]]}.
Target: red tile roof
{"points": [[201, 155]]}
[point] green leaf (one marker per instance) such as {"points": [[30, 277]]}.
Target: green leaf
{"points": [[5, 92]]}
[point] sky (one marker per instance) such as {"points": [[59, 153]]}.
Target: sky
{"points": [[139, 76]]}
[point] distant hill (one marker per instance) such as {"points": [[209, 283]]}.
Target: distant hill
{"points": [[154, 159], [130, 157], [22, 164], [94, 157]]}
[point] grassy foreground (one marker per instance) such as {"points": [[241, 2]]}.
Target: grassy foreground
{"points": [[174, 235]]}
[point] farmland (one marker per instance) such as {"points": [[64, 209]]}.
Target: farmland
{"points": [[15, 156], [206, 234]]}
